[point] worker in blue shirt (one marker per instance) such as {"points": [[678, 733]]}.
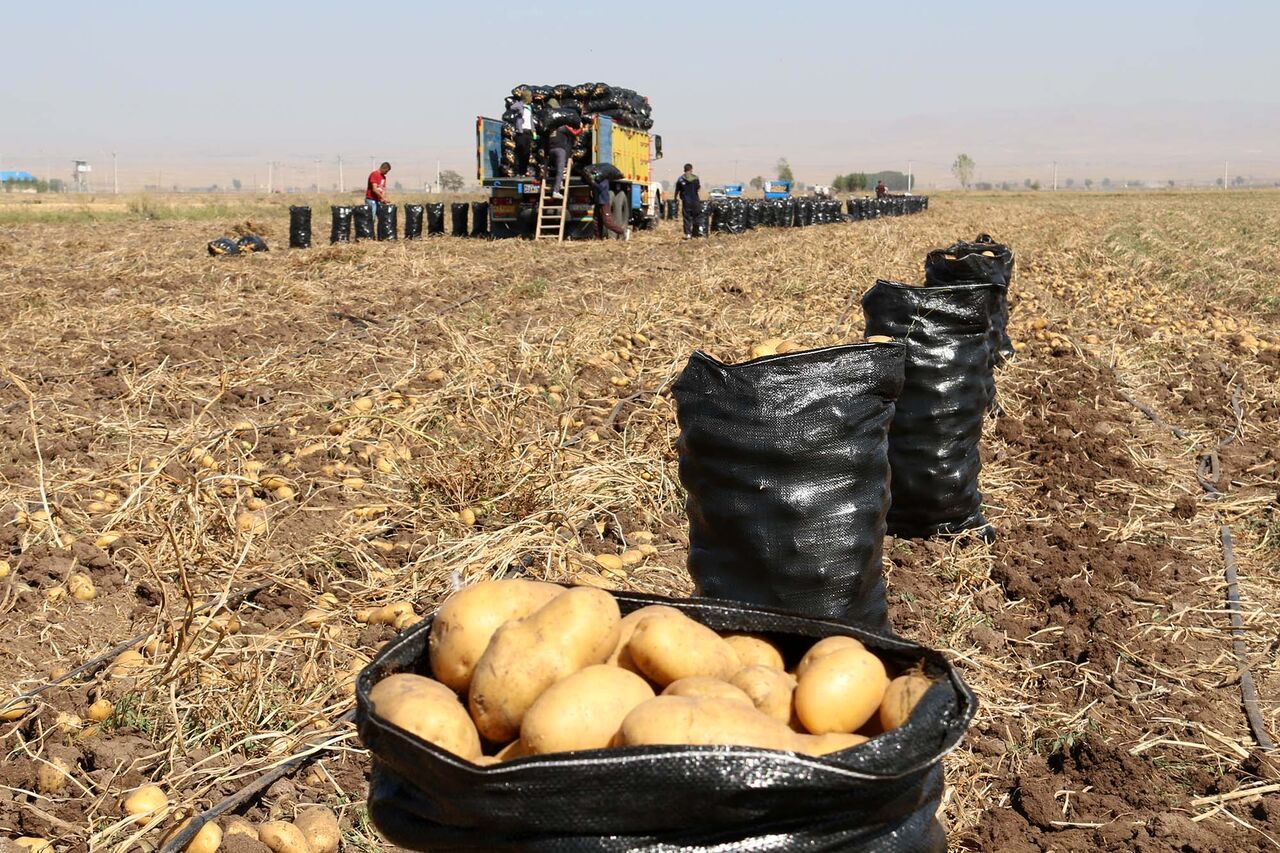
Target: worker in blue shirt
{"points": [[687, 187], [603, 192]]}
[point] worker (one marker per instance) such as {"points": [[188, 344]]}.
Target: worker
{"points": [[881, 189], [602, 191], [687, 187], [376, 191], [524, 134], [560, 150]]}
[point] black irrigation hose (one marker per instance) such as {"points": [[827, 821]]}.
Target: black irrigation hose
{"points": [[1207, 471], [178, 842], [1248, 689], [231, 601]]}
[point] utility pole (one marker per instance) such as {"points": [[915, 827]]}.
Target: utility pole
{"points": [[1224, 175], [437, 176], [1055, 175], [317, 174], [115, 174], [342, 186], [909, 164], [270, 175]]}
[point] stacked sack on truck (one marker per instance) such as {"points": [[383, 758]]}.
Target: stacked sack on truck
{"points": [[556, 106]]}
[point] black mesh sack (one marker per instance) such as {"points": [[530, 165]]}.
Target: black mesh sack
{"points": [[362, 216], [881, 797], [340, 231], [388, 222], [299, 227], [458, 210], [673, 209], [785, 462], [223, 246], [597, 172], [413, 221], [435, 219], [933, 443], [479, 219], [986, 261], [251, 243]]}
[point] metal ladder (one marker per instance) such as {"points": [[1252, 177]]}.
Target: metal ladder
{"points": [[553, 214]]}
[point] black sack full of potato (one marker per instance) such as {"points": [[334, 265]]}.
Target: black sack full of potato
{"points": [[388, 221], [435, 219], [785, 462], [299, 227], [479, 219], [362, 216], [880, 797], [981, 261], [937, 426], [413, 221], [340, 230], [458, 210]]}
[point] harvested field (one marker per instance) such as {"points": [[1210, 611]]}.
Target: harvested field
{"points": [[341, 428]]}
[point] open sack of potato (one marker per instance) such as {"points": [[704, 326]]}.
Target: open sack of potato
{"points": [[524, 716]]}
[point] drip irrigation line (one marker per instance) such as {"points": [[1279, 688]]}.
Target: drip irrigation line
{"points": [[231, 601], [1208, 471], [179, 841], [1248, 689]]}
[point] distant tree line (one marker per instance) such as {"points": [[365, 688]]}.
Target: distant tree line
{"points": [[862, 181], [53, 185]]}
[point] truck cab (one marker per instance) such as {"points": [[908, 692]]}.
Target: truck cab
{"points": [[777, 189], [513, 201]]}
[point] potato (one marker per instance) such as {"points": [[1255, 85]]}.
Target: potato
{"points": [[769, 689], [701, 686], [319, 826], [879, 339], [679, 720], [900, 699], [101, 710], [839, 692], [583, 711], [282, 837], [52, 775], [144, 803], [467, 621], [126, 663], [515, 749], [15, 709], [207, 840], [754, 650], [823, 648], [574, 630], [828, 743], [33, 844], [668, 648], [621, 657], [236, 825], [427, 709]]}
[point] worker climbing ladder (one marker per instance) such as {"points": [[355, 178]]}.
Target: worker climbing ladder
{"points": [[553, 213]]}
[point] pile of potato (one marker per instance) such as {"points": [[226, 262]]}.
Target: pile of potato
{"points": [[529, 668]]}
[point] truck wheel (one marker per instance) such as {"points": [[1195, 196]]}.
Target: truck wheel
{"points": [[620, 207]]}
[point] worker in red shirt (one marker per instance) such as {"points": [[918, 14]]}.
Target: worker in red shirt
{"points": [[376, 192]]}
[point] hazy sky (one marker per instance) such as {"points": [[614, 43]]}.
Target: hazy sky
{"points": [[204, 92]]}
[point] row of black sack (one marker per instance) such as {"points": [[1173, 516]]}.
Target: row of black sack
{"points": [[361, 220], [795, 466], [735, 215]]}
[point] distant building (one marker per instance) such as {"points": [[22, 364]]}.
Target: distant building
{"points": [[16, 177]]}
